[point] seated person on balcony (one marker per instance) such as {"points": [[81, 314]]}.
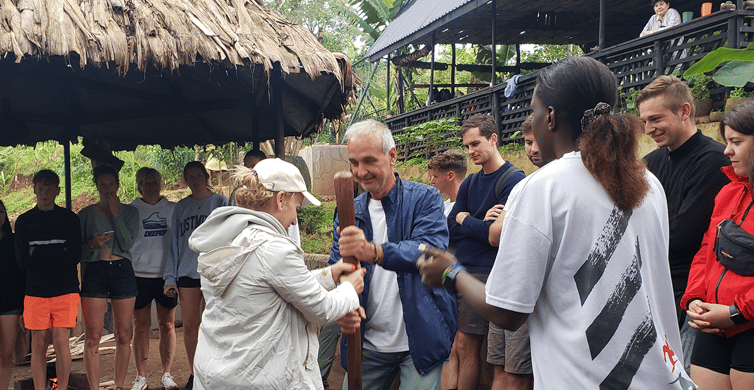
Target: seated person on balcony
{"points": [[664, 17]]}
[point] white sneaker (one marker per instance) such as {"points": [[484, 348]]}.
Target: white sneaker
{"points": [[140, 383], [168, 382]]}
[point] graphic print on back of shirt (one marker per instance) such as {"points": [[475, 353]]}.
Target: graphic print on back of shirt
{"points": [[154, 225], [626, 288]]}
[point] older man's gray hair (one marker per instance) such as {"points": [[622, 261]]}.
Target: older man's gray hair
{"points": [[371, 127]]}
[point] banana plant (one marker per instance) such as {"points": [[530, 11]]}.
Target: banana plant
{"points": [[737, 71]]}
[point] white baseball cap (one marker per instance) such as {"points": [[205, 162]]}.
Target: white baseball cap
{"points": [[278, 175]]}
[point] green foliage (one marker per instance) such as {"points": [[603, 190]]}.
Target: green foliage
{"points": [[504, 55], [325, 19], [512, 147], [740, 93], [373, 15], [551, 53], [628, 100], [699, 85], [436, 134], [737, 71], [420, 162], [315, 225]]}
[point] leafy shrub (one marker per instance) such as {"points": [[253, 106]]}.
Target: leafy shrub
{"points": [[699, 85], [436, 135], [740, 93]]}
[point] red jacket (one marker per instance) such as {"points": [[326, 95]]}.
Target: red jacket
{"points": [[708, 279]]}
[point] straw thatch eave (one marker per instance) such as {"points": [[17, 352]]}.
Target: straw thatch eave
{"points": [[165, 34]]}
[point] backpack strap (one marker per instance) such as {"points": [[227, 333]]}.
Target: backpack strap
{"points": [[512, 170]]}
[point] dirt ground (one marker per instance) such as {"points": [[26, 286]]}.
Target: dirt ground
{"points": [[180, 368]]}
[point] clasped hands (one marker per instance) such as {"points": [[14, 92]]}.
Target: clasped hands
{"points": [[707, 317]]}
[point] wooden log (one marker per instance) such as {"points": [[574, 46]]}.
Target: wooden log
{"points": [[344, 193]]}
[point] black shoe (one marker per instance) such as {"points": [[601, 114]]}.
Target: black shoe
{"points": [[190, 383]]}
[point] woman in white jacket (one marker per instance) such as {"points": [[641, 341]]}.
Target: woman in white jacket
{"points": [[263, 305]]}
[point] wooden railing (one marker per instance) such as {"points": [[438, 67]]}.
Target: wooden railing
{"points": [[635, 64]]}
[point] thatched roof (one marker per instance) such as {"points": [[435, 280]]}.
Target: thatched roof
{"points": [[105, 40]]}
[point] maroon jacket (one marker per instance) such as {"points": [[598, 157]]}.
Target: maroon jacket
{"points": [[708, 279]]}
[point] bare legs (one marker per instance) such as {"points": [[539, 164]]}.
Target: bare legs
{"points": [[8, 333], [192, 306], [507, 381], [40, 339], [60, 338], [39, 342], [708, 379], [94, 313], [142, 324], [449, 379]]}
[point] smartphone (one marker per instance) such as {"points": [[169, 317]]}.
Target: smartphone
{"points": [[110, 232]]}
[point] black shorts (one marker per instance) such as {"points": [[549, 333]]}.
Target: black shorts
{"points": [[109, 279], [720, 354], [186, 282], [149, 289]]}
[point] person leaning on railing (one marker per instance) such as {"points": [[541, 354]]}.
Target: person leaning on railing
{"points": [[664, 17]]}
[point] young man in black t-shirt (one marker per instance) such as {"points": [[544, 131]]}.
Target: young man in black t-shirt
{"points": [[48, 246]]}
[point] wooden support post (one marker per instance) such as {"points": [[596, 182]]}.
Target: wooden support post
{"points": [[387, 86], [344, 194], [432, 67], [67, 164], [603, 15], [658, 63], [453, 69], [277, 94], [493, 77]]}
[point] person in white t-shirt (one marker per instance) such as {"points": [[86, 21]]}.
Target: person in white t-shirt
{"points": [[585, 246], [150, 251], [446, 172], [408, 328]]}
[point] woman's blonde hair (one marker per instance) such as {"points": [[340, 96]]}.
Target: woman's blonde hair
{"points": [[249, 192]]}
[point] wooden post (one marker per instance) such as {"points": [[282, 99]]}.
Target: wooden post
{"points": [[432, 69], [493, 77], [67, 169], [343, 182], [387, 87], [277, 93], [453, 69], [601, 30]]}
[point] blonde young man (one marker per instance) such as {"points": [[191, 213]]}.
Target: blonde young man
{"points": [[687, 163]]}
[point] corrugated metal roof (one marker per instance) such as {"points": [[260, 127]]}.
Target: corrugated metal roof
{"points": [[518, 22], [415, 18]]}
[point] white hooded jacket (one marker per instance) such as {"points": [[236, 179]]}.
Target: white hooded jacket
{"points": [[259, 329]]}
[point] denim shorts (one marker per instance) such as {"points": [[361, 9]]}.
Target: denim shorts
{"points": [[109, 279]]}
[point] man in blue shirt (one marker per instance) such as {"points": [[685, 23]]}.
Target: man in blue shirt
{"points": [[479, 201], [405, 326]]}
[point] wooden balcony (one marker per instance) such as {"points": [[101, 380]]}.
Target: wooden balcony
{"points": [[635, 63]]}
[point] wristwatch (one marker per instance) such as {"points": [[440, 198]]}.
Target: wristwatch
{"points": [[736, 316]]}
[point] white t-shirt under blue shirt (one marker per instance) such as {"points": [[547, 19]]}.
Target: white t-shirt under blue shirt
{"points": [[385, 329]]}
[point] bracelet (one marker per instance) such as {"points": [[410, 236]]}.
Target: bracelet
{"points": [[376, 257], [449, 276]]}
